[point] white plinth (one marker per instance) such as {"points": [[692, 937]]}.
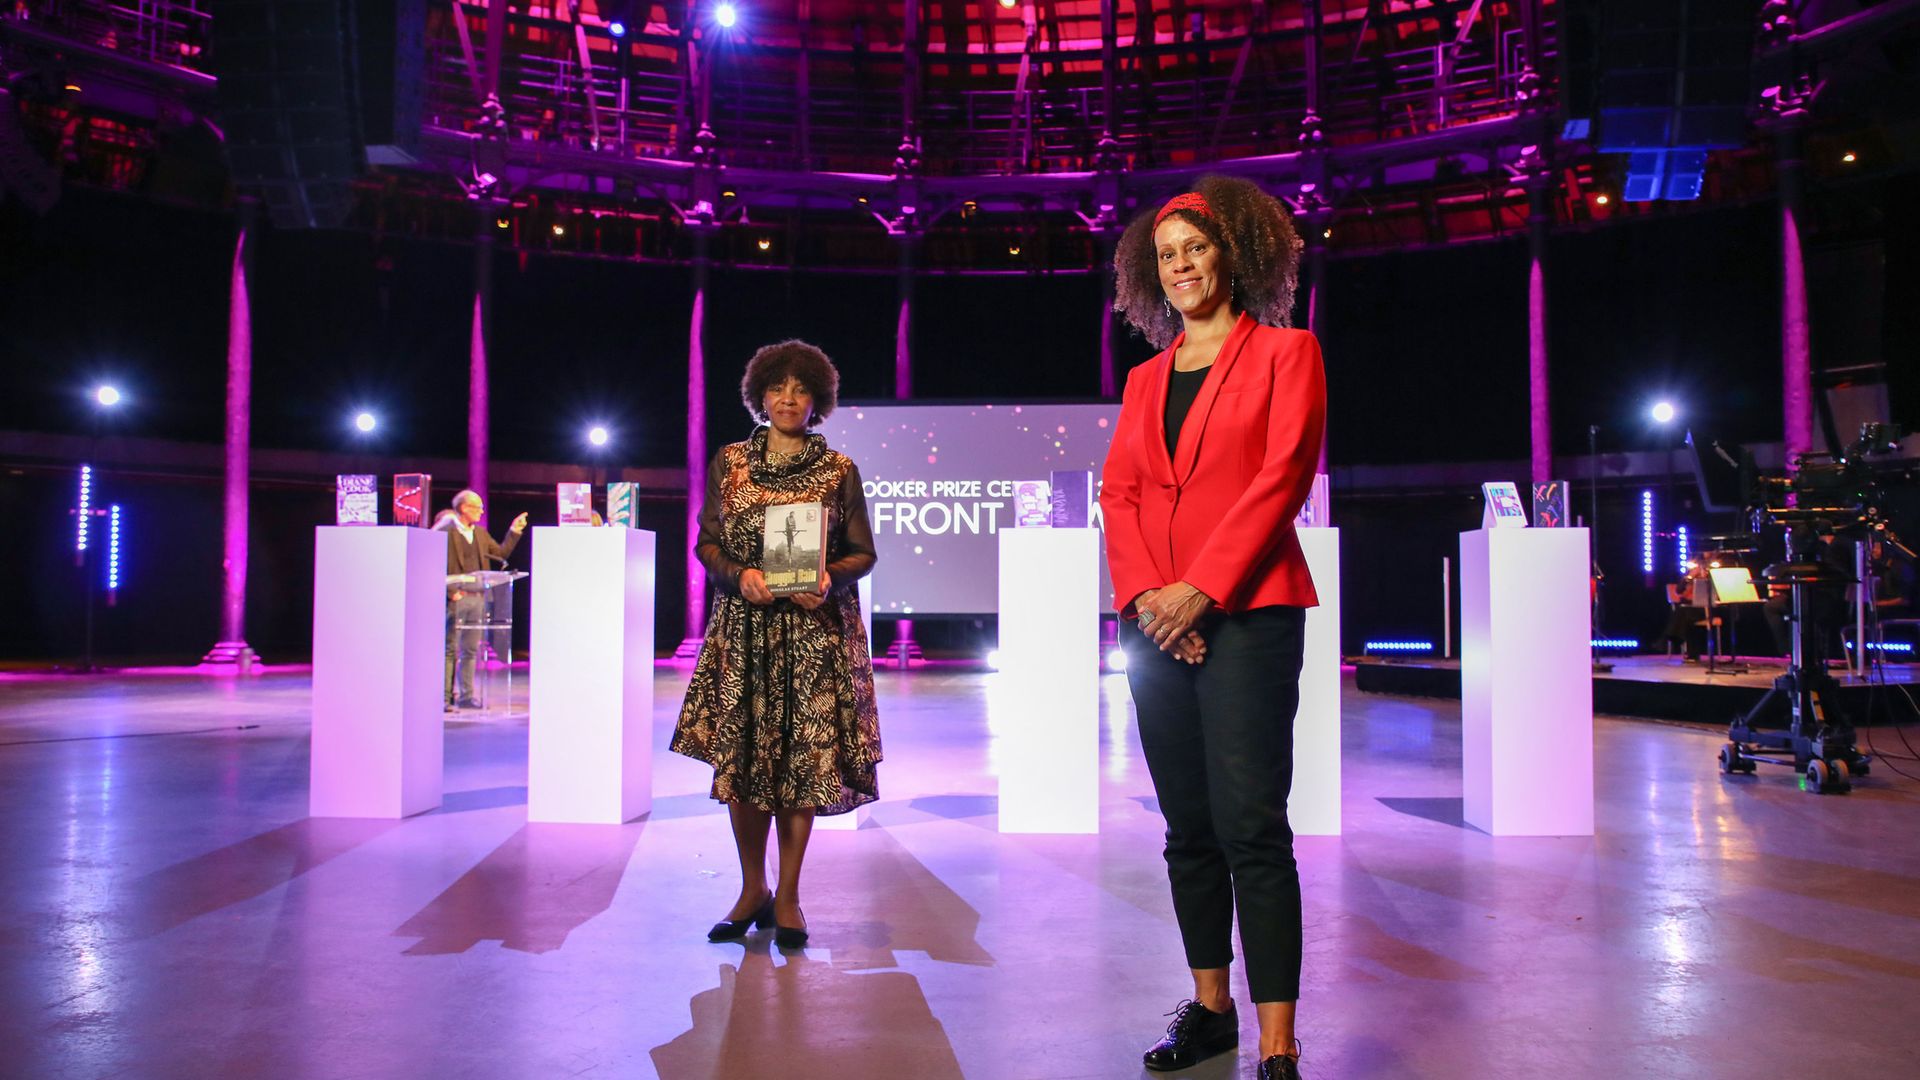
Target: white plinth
{"points": [[590, 683], [379, 649], [1049, 732], [1526, 682], [1314, 806], [852, 820]]}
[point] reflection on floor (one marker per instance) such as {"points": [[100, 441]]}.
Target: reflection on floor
{"points": [[169, 911]]}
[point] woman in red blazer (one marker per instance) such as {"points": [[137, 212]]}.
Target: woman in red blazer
{"points": [[1215, 451]]}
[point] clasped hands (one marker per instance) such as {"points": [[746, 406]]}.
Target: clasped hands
{"points": [[1168, 617], [753, 589]]}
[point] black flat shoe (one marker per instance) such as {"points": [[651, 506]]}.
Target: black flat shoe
{"points": [[1279, 1067], [735, 929], [786, 937], [1197, 1033]]}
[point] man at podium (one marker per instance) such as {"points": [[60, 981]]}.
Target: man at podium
{"points": [[470, 550]]}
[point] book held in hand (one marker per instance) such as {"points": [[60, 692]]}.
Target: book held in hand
{"points": [[793, 548]]}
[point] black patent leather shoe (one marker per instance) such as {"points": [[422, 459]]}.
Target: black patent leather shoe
{"points": [[1197, 1033], [1279, 1067], [786, 937], [735, 929]]}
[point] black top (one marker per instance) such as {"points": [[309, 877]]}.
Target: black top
{"points": [[1180, 394]]}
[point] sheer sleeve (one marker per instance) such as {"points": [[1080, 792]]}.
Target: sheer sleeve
{"points": [[722, 571], [855, 557]]}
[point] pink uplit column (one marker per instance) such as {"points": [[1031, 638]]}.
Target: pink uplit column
{"points": [[477, 401], [1796, 348], [1109, 378], [232, 649], [1539, 400], [696, 609]]}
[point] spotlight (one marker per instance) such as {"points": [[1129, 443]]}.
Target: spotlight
{"points": [[993, 659], [617, 28], [597, 435], [559, 229], [1327, 235], [1116, 659], [729, 194], [1013, 249], [726, 15], [1602, 199], [108, 396], [1662, 412], [1009, 4], [501, 223], [74, 88], [1849, 157], [365, 422], [764, 244]]}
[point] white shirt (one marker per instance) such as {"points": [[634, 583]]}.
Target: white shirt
{"points": [[466, 530]]}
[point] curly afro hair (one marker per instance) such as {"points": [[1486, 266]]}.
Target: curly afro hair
{"points": [[774, 363], [1253, 230]]}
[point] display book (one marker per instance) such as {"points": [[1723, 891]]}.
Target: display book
{"points": [[356, 499], [793, 548]]}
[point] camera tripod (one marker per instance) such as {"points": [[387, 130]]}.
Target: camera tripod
{"points": [[1818, 740]]}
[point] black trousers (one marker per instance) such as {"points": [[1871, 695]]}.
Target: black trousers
{"points": [[1219, 744]]}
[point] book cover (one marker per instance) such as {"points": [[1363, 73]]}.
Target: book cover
{"points": [[1315, 513], [1503, 506], [621, 498], [356, 499], [1550, 505], [576, 504], [1071, 494], [793, 548], [1032, 505], [412, 494]]}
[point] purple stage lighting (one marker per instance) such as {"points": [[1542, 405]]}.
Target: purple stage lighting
{"points": [[113, 551], [726, 15], [86, 506], [597, 435], [108, 396], [617, 28], [365, 422]]}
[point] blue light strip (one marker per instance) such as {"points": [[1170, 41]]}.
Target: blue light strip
{"points": [[113, 548], [1646, 531], [1615, 643], [1890, 646], [1681, 532], [86, 504], [1399, 646]]}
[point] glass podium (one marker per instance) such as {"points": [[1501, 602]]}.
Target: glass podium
{"points": [[492, 635]]}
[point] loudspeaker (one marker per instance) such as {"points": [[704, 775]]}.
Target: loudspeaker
{"points": [[311, 91]]}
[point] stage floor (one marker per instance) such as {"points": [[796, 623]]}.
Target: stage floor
{"points": [[169, 910]]}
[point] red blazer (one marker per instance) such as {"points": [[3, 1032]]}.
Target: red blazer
{"points": [[1219, 513]]}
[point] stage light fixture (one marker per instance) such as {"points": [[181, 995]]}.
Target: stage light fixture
{"points": [[993, 659], [86, 507], [726, 15], [1009, 4], [1397, 646], [1327, 235], [74, 88], [113, 551], [1646, 531], [1116, 659], [764, 244], [108, 396], [597, 435], [1662, 412], [501, 223], [617, 28], [1849, 157], [1602, 199], [1680, 536], [559, 229], [1615, 643], [1013, 249], [365, 422]]}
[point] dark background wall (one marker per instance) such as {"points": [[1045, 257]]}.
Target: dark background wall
{"points": [[1426, 353]]}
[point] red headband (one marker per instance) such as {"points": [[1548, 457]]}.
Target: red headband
{"points": [[1192, 200]]}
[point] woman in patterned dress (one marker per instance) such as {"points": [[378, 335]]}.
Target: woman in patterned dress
{"points": [[781, 700]]}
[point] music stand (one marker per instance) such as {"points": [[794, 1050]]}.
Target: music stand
{"points": [[1727, 586]]}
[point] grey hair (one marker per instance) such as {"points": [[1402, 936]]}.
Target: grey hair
{"points": [[465, 494]]}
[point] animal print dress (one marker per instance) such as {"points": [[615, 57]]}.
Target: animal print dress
{"points": [[781, 700]]}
